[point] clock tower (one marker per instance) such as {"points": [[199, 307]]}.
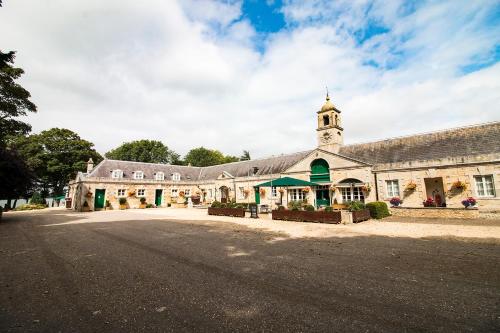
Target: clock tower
{"points": [[329, 132]]}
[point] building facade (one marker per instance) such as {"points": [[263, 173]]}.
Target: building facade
{"points": [[442, 167]]}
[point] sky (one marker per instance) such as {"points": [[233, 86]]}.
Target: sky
{"points": [[250, 75]]}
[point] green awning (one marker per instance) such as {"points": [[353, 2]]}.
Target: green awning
{"points": [[286, 181]]}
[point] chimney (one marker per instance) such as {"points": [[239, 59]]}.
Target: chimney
{"points": [[90, 165]]}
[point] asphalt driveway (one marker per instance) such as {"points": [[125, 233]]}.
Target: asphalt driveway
{"points": [[143, 274]]}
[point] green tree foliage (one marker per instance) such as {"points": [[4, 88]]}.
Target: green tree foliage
{"points": [[149, 151], [14, 99], [205, 157], [15, 176], [245, 156], [55, 156]]}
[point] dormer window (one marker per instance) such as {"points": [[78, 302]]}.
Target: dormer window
{"points": [[138, 175], [159, 176], [117, 174], [176, 176]]}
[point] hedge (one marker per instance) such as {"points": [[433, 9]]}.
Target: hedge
{"points": [[378, 209]]}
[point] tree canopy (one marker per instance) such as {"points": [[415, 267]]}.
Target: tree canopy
{"points": [[205, 157], [14, 99], [55, 156], [150, 151], [15, 176], [245, 156]]}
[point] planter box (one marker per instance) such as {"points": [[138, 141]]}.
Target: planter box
{"points": [[123, 207], [361, 215], [142, 206], [304, 216], [85, 209], [236, 212]]}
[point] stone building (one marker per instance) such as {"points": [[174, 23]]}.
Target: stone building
{"points": [[446, 166]]}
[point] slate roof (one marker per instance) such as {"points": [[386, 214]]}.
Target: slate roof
{"points": [[465, 141]]}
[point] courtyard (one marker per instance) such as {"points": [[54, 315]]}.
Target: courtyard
{"points": [[182, 270]]}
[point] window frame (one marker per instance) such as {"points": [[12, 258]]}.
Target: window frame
{"points": [[117, 172], [143, 192], [160, 176], [174, 192], [121, 190], [483, 181], [187, 192], [297, 194], [176, 176], [390, 186], [138, 172]]}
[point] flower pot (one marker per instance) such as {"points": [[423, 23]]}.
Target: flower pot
{"points": [[123, 207], [142, 206]]}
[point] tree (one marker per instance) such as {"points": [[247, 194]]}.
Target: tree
{"points": [[55, 156], [204, 157], [14, 99], [15, 176], [149, 151], [230, 158], [245, 156]]}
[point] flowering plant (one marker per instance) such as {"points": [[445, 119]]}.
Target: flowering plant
{"points": [[281, 190], [262, 191], [306, 189], [459, 185], [429, 202], [131, 193], [366, 188], [396, 201], [469, 202], [89, 194], [411, 186], [333, 188], [181, 193]]}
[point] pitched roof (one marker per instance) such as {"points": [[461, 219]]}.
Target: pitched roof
{"points": [[464, 141]]}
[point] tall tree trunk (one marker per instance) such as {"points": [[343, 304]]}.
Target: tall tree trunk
{"points": [[15, 204], [7, 205]]}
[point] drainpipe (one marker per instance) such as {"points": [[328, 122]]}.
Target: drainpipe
{"points": [[376, 186]]}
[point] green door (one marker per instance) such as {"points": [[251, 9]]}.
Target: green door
{"points": [[257, 195], [322, 197], [99, 199], [158, 194]]}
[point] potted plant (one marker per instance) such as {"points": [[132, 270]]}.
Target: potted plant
{"points": [[411, 186], [85, 207], [246, 192], [366, 188], [143, 203], [123, 203], [281, 190], [429, 203], [459, 185], [333, 188], [395, 202], [469, 202], [181, 194], [262, 191], [306, 189], [131, 192], [108, 205]]}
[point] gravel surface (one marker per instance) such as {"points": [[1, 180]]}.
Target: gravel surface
{"points": [[149, 271]]}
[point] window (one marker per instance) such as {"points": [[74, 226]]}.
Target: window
{"points": [[187, 192], [174, 192], [141, 192], [176, 176], [392, 188], [241, 192], [121, 192], [274, 193], [117, 174], [209, 192], [138, 175], [159, 176], [326, 120], [297, 194], [484, 186], [353, 193]]}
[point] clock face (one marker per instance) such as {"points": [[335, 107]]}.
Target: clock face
{"points": [[326, 137]]}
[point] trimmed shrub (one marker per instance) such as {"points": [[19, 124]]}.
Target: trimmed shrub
{"points": [[37, 199], [378, 209], [309, 208], [355, 206], [29, 207], [281, 207], [122, 201], [295, 205], [328, 209], [142, 200], [150, 206], [216, 204], [108, 204]]}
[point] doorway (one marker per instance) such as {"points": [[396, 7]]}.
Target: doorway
{"points": [[158, 195], [434, 189], [224, 194], [322, 196], [99, 199]]}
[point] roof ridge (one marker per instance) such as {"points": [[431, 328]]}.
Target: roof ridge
{"points": [[260, 158], [164, 164], [424, 133]]}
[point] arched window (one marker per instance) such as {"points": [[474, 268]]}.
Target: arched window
{"points": [[336, 119], [351, 189], [320, 171], [326, 120]]}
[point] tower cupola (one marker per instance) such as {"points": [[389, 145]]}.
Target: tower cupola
{"points": [[329, 132]]}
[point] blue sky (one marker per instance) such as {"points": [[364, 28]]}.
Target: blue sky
{"points": [[223, 74]]}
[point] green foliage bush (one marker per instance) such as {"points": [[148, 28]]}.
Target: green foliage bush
{"points": [[378, 209], [122, 201], [281, 207], [30, 207], [37, 199], [142, 200], [216, 204], [355, 206], [328, 209], [295, 205], [150, 206], [309, 208]]}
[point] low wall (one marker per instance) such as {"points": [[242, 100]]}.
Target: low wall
{"points": [[448, 213]]}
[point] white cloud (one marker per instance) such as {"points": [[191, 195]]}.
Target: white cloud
{"points": [[187, 73]]}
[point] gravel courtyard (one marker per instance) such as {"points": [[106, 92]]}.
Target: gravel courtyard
{"points": [[181, 270]]}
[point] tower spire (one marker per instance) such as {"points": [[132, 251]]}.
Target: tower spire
{"points": [[327, 95]]}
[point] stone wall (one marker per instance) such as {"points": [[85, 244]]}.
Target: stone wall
{"points": [[456, 213]]}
